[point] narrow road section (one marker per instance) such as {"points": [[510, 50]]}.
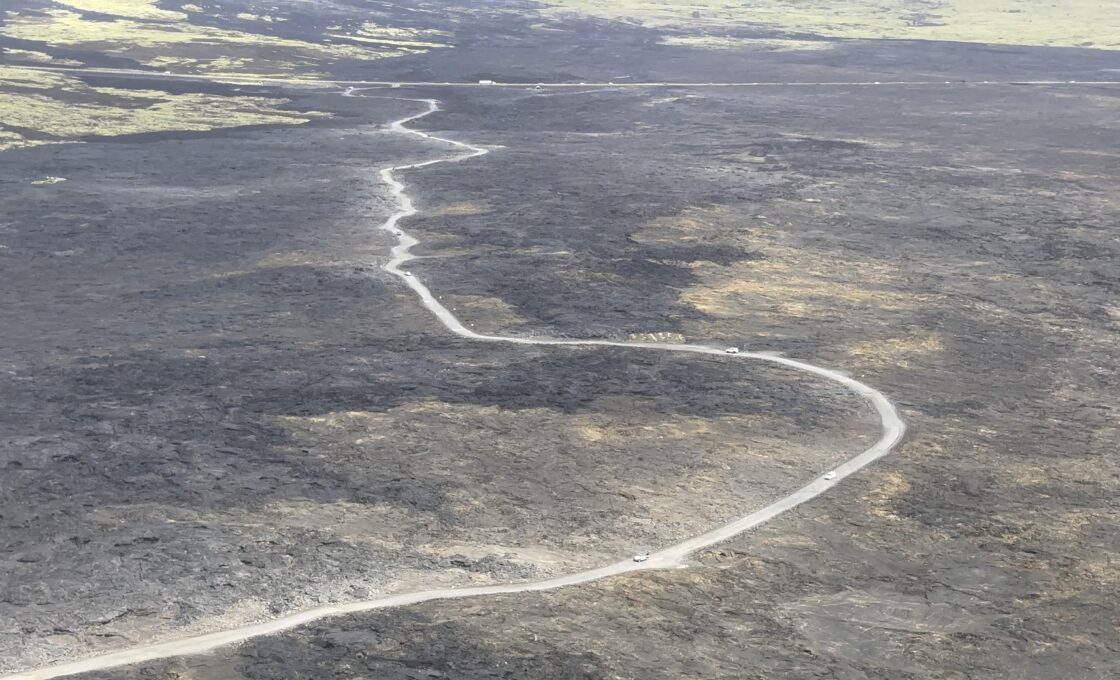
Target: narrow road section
{"points": [[235, 79], [670, 557]]}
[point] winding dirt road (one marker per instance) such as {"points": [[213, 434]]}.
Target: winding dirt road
{"points": [[671, 557]]}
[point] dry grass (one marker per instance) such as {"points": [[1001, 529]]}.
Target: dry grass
{"points": [[461, 208], [785, 280], [40, 107], [1016, 22], [488, 312], [593, 430], [37, 57], [795, 284], [166, 39], [136, 9], [713, 42], [896, 351], [691, 226], [278, 260], [888, 487]]}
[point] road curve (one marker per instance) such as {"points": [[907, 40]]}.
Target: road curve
{"points": [[893, 430]]}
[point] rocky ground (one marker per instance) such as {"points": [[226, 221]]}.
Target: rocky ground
{"points": [[218, 408]]}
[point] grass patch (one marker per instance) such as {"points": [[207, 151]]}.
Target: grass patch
{"points": [[143, 32], [34, 57], [136, 9], [1080, 23], [713, 42], [39, 107], [897, 352]]}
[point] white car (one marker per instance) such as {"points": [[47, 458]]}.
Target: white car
{"points": [[408, 273], [641, 557], [732, 350], [830, 475]]}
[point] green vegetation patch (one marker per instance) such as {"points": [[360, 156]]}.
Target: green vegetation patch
{"points": [[713, 42], [35, 57], [40, 107], [1079, 23], [139, 9], [141, 31]]}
